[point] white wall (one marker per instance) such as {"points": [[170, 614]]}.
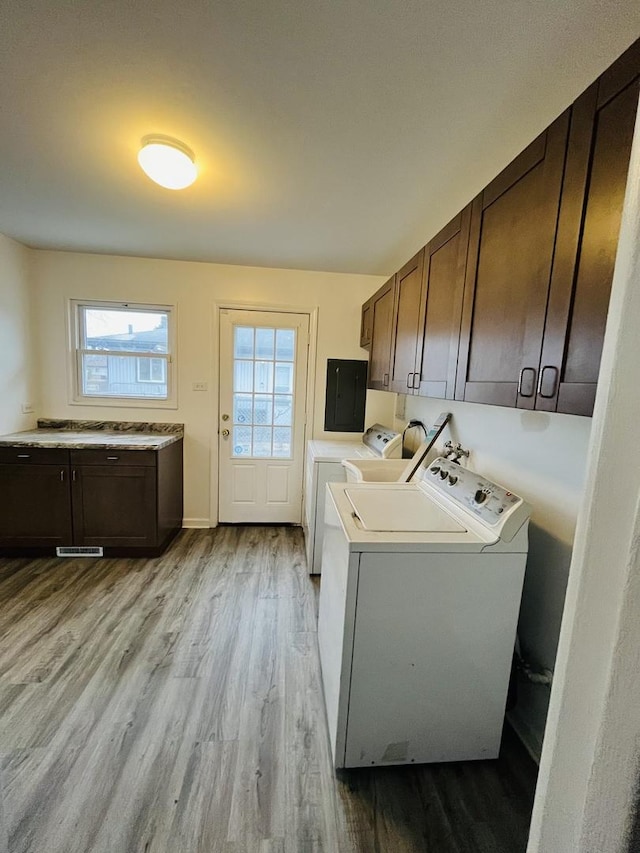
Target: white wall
{"points": [[194, 288], [16, 344], [541, 457]]}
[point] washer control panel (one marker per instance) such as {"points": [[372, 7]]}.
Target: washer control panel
{"points": [[486, 500], [384, 442]]}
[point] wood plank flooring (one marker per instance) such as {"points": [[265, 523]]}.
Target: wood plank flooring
{"points": [[174, 705]]}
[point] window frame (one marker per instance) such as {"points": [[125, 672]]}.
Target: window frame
{"points": [[76, 353]]}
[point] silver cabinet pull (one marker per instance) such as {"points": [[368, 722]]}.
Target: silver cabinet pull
{"points": [[527, 383], [417, 377], [112, 458], [410, 380], [544, 390], [73, 476], [62, 476], [24, 456], [385, 379]]}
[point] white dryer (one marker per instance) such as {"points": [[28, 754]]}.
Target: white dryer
{"points": [[323, 465], [419, 601]]}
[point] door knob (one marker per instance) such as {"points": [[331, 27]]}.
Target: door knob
{"points": [[225, 433], [225, 417]]}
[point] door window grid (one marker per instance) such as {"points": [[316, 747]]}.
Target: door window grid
{"points": [[263, 386]]}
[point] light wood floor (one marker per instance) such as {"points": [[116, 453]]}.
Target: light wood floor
{"points": [[174, 705]]}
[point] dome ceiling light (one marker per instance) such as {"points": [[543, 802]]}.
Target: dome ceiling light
{"points": [[168, 162]]}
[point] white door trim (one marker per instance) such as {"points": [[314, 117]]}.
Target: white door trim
{"points": [[312, 312]]}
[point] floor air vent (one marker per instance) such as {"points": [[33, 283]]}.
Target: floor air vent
{"points": [[79, 551]]}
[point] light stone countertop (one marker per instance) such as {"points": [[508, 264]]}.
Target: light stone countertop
{"points": [[98, 439]]}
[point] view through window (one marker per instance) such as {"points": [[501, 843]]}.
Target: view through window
{"points": [[123, 351]]}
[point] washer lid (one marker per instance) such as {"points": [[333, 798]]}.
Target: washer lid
{"points": [[401, 510]]}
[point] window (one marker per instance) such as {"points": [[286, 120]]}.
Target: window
{"points": [[123, 352], [263, 371]]}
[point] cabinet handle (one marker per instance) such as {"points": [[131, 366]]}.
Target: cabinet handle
{"points": [[73, 476], [417, 377], [62, 476], [542, 384], [526, 386], [385, 379], [24, 456], [410, 380], [112, 458]]}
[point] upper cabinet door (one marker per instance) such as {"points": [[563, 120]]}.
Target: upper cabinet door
{"points": [[445, 264], [600, 139], [408, 324], [381, 333], [513, 228], [365, 325]]}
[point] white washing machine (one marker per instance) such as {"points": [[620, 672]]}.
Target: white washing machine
{"points": [[323, 465], [421, 587]]}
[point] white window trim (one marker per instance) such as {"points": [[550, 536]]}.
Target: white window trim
{"points": [[77, 398]]}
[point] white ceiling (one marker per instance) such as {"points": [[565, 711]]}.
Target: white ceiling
{"points": [[330, 134]]}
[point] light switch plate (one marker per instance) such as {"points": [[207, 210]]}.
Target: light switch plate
{"points": [[27, 408], [199, 386]]}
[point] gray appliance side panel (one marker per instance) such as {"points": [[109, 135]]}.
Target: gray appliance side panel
{"points": [[336, 620], [432, 653], [327, 472]]}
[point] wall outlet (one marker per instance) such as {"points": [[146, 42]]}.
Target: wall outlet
{"points": [[27, 408], [199, 386]]}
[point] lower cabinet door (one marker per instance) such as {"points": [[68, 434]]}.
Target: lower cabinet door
{"points": [[114, 507], [35, 506]]}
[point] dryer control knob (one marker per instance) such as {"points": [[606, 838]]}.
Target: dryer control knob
{"points": [[435, 469], [480, 496], [452, 479], [443, 474]]}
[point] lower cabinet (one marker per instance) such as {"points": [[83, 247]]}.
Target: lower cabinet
{"points": [[35, 498], [114, 507], [128, 502]]}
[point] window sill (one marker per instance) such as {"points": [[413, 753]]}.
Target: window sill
{"points": [[124, 403]]}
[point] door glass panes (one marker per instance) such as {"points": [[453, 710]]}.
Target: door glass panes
{"points": [[285, 344], [242, 408], [264, 343], [242, 375], [243, 342], [282, 409], [263, 377], [284, 378], [263, 385]]}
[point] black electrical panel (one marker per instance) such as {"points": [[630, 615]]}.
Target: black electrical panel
{"points": [[346, 395]]}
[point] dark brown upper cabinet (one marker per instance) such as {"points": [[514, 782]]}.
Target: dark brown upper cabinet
{"points": [[600, 138], [536, 251], [445, 263], [512, 238], [407, 324], [365, 324], [381, 333]]}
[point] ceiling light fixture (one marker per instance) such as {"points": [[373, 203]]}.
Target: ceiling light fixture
{"points": [[168, 162]]}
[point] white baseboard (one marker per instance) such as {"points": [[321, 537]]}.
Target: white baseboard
{"points": [[196, 523]]}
